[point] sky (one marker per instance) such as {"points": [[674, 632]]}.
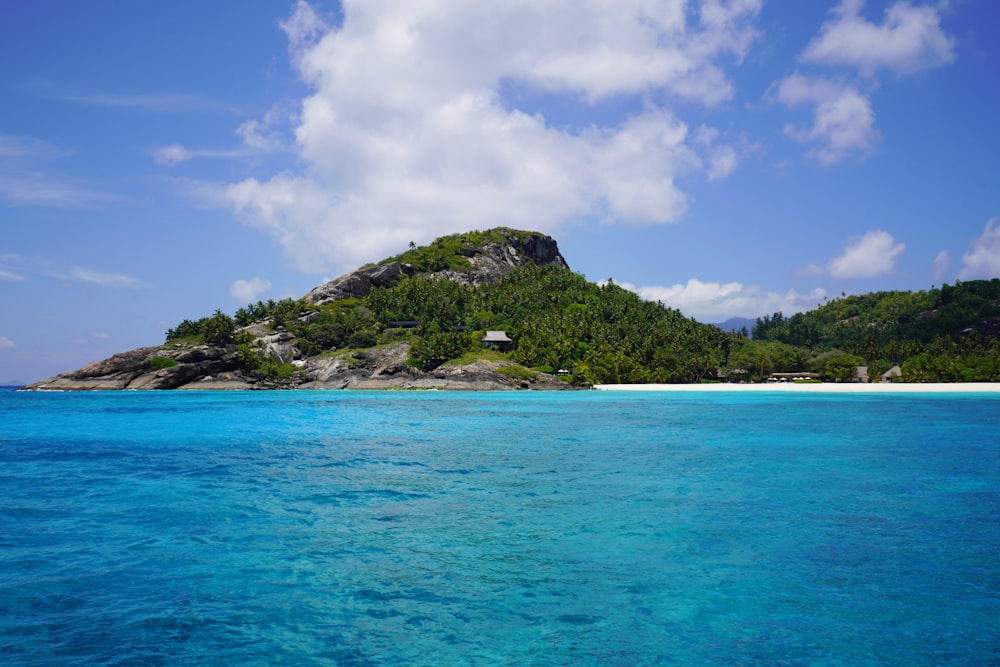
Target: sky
{"points": [[730, 158]]}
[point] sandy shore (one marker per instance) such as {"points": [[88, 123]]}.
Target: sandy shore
{"points": [[818, 387]]}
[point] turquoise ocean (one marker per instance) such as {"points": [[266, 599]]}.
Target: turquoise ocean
{"points": [[521, 528]]}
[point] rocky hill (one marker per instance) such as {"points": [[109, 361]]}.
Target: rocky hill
{"points": [[475, 258], [266, 354]]}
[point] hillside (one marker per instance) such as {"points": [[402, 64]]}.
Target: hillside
{"points": [[949, 334]]}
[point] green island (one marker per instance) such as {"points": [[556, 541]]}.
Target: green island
{"points": [[501, 309]]}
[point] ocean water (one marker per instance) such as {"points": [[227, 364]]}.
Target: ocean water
{"points": [[438, 528]]}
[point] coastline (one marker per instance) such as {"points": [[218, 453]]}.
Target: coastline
{"points": [[819, 387]]}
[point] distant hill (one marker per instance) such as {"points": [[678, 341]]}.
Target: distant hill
{"points": [[736, 324]]}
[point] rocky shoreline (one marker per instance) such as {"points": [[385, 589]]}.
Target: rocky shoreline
{"points": [[208, 367]]}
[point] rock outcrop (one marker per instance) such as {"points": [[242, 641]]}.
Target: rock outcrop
{"points": [[215, 368], [358, 283], [494, 260], [488, 263]]}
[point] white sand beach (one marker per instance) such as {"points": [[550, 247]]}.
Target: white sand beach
{"points": [[818, 387]]}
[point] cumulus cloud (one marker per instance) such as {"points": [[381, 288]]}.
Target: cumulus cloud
{"points": [[843, 119], [909, 39], [873, 254], [248, 291], [411, 130], [982, 261], [713, 301], [6, 343]]}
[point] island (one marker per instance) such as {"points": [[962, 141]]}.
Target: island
{"points": [[501, 310]]}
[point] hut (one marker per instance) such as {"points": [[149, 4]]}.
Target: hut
{"points": [[498, 340], [891, 374]]}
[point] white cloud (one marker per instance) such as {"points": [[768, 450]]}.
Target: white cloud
{"points": [[6, 274], [176, 154], [6, 343], [248, 291], [713, 301], [32, 189], [158, 102], [258, 137], [982, 261], [114, 280], [908, 40], [408, 133], [172, 154], [843, 118], [304, 28], [941, 264], [873, 254]]}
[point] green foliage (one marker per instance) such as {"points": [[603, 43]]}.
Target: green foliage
{"points": [[517, 372], [767, 324], [247, 356], [970, 359], [761, 358], [451, 252], [880, 324], [159, 363], [432, 350], [933, 335], [279, 313], [558, 320], [219, 329], [274, 369], [347, 323], [842, 367], [186, 329]]}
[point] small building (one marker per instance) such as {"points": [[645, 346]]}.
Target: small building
{"points": [[403, 324], [498, 340], [860, 374], [892, 373]]}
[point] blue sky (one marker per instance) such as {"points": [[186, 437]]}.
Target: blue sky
{"points": [[727, 157]]}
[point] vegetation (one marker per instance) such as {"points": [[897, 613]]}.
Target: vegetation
{"points": [[219, 329], [450, 252], [941, 335], [607, 334], [159, 363]]}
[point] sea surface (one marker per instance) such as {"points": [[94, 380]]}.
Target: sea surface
{"points": [[528, 528]]}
